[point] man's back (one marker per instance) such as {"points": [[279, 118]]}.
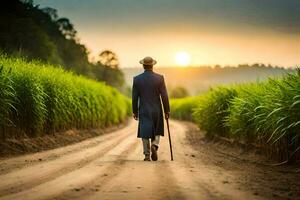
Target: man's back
{"points": [[148, 91], [149, 86]]}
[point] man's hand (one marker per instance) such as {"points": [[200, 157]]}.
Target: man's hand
{"points": [[167, 115], [135, 116]]}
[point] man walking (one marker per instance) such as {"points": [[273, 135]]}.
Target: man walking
{"points": [[148, 91]]}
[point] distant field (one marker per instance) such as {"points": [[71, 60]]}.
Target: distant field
{"points": [[199, 79]]}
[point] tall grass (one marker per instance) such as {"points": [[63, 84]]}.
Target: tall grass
{"points": [[182, 108], [212, 109], [269, 113], [266, 113], [6, 98], [36, 98]]}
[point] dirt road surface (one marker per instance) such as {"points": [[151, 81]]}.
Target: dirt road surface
{"points": [[111, 167]]}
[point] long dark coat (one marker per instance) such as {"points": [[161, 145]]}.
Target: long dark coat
{"points": [[148, 91]]}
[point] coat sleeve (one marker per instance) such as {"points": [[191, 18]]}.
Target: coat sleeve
{"points": [[164, 96], [135, 98]]}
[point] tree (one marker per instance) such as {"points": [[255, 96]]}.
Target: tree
{"points": [[111, 76], [51, 12], [38, 33], [179, 92], [66, 28], [109, 58], [107, 70]]}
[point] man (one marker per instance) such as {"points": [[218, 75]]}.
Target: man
{"points": [[148, 91]]}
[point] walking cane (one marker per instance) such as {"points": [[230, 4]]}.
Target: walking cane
{"points": [[170, 142]]}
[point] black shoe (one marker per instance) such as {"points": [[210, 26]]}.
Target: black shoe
{"points": [[147, 158], [154, 152]]}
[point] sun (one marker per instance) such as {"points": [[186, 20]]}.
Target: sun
{"points": [[182, 59]]}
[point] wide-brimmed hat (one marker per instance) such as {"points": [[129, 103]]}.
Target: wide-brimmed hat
{"points": [[148, 61]]}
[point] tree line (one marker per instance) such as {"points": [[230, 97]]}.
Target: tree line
{"points": [[39, 33]]}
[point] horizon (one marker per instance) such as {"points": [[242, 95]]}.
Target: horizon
{"points": [[213, 66], [211, 32]]}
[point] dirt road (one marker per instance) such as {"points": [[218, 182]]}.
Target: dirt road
{"points": [[111, 167]]}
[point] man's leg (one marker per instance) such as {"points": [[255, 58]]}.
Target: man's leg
{"points": [[154, 147], [156, 141], [146, 148]]}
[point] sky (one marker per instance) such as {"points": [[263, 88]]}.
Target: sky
{"points": [[225, 32]]}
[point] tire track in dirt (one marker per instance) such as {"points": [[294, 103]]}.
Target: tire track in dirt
{"points": [[199, 181], [142, 180], [114, 170], [76, 179], [184, 170], [111, 170], [16, 163], [50, 170]]}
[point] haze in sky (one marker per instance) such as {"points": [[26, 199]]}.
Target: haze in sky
{"points": [[209, 31]]}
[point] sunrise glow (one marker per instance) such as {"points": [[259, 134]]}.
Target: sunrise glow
{"points": [[182, 59]]}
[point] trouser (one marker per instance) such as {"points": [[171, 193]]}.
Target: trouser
{"points": [[146, 144]]}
